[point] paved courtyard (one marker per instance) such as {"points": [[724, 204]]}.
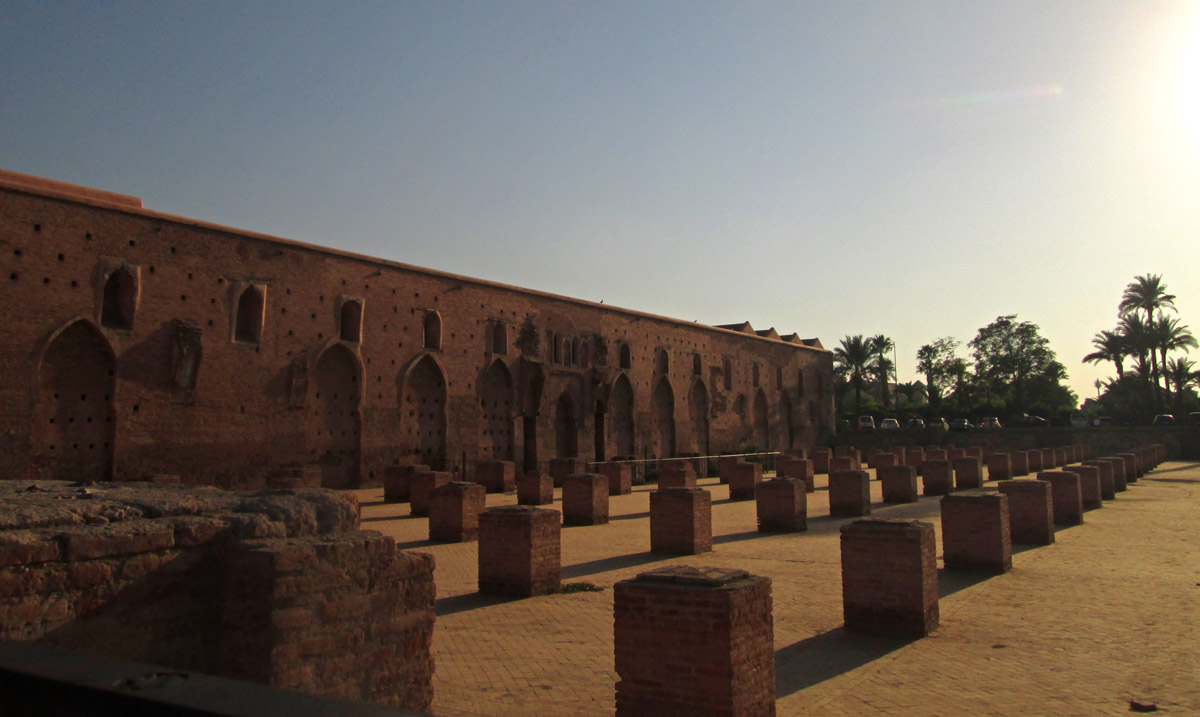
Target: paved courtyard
{"points": [[1107, 615]]}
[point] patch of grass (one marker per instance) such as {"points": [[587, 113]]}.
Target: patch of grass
{"points": [[578, 588]]}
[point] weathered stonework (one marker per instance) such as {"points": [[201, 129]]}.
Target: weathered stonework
{"points": [[975, 533], [680, 521], [889, 577]]}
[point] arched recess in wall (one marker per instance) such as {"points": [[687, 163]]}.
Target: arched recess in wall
{"points": [[119, 300], [662, 362], [496, 400], [334, 427], [73, 428], [762, 422], [425, 412], [786, 434], [620, 406], [664, 419], [350, 325], [500, 339], [566, 428], [626, 360], [431, 329], [248, 320], [698, 412]]}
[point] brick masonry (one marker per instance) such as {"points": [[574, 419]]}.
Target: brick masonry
{"points": [[1030, 511], [937, 477], [694, 641], [889, 577], [535, 488], [620, 478], [1033, 460], [820, 459], [799, 468], [849, 494], [496, 476], [677, 477], [899, 483], [421, 487], [968, 472], [1018, 463], [999, 466], [396, 482], [1104, 469], [520, 551], [454, 511], [975, 533], [680, 521], [1089, 485], [743, 479], [1066, 496], [585, 499], [782, 506]]}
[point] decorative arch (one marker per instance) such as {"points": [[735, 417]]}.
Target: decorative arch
{"points": [[566, 427], [119, 301], [663, 402], [697, 365], [424, 407], [496, 400], [698, 412], [626, 359], [431, 329], [334, 428], [787, 437], [350, 326], [499, 339], [727, 368], [620, 405], [248, 320], [662, 362], [73, 426], [762, 422]]}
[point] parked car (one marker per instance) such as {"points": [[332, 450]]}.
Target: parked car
{"points": [[916, 423], [1194, 418], [938, 423], [1078, 420], [889, 424], [1163, 419], [989, 422], [961, 424], [1026, 421], [1103, 421], [866, 423]]}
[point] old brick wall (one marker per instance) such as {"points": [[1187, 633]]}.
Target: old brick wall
{"points": [[278, 587], [233, 353]]}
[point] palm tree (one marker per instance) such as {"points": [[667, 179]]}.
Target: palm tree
{"points": [[1110, 346], [884, 368], [854, 359], [1171, 335], [1182, 372], [913, 391], [1147, 293], [1138, 341]]}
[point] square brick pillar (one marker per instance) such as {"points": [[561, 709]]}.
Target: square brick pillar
{"points": [[395, 482], [782, 506], [849, 452], [842, 463], [1060, 457], [1030, 511], [560, 468], [820, 460], [454, 511], [1089, 485], [535, 488], [1120, 473], [883, 460], [1019, 463], [680, 521], [897, 451], [692, 641], [676, 477], [1133, 469], [1066, 495], [794, 453], [520, 550], [889, 577], [953, 454], [620, 478], [975, 533], [496, 476], [936, 454], [585, 499], [968, 473], [420, 488], [1108, 488], [800, 469], [914, 456], [1048, 459], [999, 466], [899, 483], [1033, 460], [849, 494], [937, 477], [743, 478]]}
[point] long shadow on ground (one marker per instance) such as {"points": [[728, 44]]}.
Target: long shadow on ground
{"points": [[469, 601], [603, 565], [821, 657]]}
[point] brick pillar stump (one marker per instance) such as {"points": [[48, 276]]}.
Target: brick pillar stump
{"points": [[1030, 511], [535, 488], [520, 550], [1018, 463], [1033, 460], [677, 477], [1108, 488], [849, 494], [842, 463], [1060, 457], [794, 453], [680, 521], [585, 499], [999, 466], [725, 467], [1089, 485], [883, 460], [799, 468], [694, 641], [1066, 495], [899, 483], [914, 456], [396, 482], [898, 451], [936, 454], [454, 511], [975, 451], [1048, 459], [620, 478], [782, 506], [937, 477], [820, 460], [968, 473], [953, 454], [849, 452], [1120, 482], [975, 533], [889, 577], [743, 479], [420, 488], [496, 476], [1133, 470], [560, 468]]}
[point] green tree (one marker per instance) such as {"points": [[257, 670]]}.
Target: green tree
{"points": [[1147, 293], [1182, 373], [1110, 346], [936, 361], [853, 360], [1012, 357], [1170, 335], [883, 367]]}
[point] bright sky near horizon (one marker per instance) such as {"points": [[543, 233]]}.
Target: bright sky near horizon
{"points": [[908, 168]]}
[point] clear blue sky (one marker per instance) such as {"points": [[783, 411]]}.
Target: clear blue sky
{"points": [[908, 168]]}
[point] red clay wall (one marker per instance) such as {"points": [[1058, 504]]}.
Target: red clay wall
{"points": [[308, 378]]}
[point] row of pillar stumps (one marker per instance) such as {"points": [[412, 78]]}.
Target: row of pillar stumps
{"points": [[701, 640]]}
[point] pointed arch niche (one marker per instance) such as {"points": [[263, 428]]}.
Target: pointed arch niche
{"points": [[620, 407], [425, 412], [119, 300], [664, 419], [333, 423], [698, 413], [566, 428], [762, 422], [496, 400]]}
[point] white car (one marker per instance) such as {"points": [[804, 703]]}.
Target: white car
{"points": [[889, 424], [866, 423]]}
